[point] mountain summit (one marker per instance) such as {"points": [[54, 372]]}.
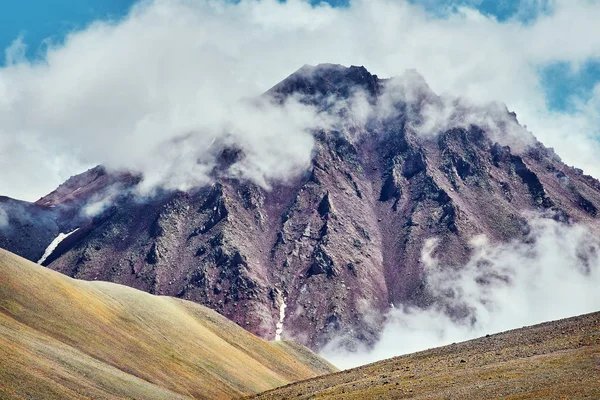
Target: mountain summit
{"points": [[328, 252]]}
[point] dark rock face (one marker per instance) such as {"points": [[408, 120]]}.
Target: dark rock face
{"points": [[337, 244], [29, 228], [319, 83]]}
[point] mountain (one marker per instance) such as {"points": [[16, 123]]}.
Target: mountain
{"points": [[62, 338], [327, 252], [552, 360]]}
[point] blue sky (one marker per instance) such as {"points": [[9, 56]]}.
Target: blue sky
{"points": [[39, 20]]}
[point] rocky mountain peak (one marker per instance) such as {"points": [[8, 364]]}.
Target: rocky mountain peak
{"points": [[337, 244], [313, 83]]}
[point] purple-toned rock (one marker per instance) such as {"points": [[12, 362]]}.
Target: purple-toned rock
{"points": [[332, 248]]}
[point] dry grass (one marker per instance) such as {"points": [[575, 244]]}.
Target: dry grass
{"points": [[61, 338], [555, 360]]}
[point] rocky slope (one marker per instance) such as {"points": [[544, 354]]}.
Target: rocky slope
{"points": [[559, 359], [66, 339], [327, 252]]}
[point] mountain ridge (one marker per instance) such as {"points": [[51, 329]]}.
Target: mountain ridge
{"points": [[336, 244]]}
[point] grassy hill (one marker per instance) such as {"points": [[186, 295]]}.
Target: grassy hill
{"points": [[62, 338], [559, 359]]}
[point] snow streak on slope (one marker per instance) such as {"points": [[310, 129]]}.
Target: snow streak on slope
{"points": [[279, 325], [52, 246]]}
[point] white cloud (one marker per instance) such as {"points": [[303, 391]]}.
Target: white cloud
{"points": [[115, 92], [504, 286], [432, 114], [3, 218], [15, 53]]}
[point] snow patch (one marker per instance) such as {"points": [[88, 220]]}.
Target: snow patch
{"points": [[279, 325], [52, 246]]}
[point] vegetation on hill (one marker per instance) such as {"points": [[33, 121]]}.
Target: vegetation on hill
{"points": [[559, 359], [62, 338]]}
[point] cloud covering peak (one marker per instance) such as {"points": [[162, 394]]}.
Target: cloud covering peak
{"points": [[154, 90], [553, 274]]}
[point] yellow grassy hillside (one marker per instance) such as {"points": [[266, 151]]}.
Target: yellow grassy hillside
{"points": [[62, 338]]}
